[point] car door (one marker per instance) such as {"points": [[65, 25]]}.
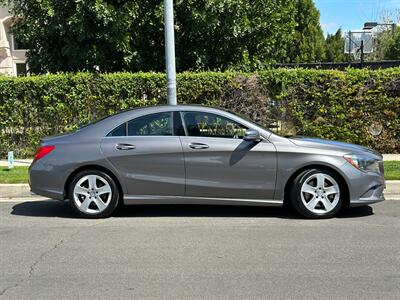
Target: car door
{"points": [[220, 164], [147, 155]]}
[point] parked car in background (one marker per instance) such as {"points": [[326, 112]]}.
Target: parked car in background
{"points": [[201, 155]]}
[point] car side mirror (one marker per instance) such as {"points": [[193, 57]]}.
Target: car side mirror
{"points": [[252, 135]]}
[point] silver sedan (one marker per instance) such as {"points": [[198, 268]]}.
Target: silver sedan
{"points": [[201, 155]]}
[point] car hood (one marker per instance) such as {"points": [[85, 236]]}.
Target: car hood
{"points": [[334, 145]]}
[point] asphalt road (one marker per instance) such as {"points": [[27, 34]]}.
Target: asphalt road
{"points": [[181, 252]]}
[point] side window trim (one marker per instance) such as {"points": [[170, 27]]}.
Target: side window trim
{"points": [[183, 123], [177, 124]]}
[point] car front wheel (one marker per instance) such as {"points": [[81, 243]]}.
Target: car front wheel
{"points": [[317, 194], [93, 194]]}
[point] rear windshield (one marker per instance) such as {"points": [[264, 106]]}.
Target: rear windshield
{"points": [[83, 125]]}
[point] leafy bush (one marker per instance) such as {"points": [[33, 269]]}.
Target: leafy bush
{"points": [[329, 104]]}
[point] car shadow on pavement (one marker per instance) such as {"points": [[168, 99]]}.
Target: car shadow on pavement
{"points": [[59, 209], [45, 208]]}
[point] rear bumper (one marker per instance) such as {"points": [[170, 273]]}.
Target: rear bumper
{"points": [[45, 182], [48, 193]]}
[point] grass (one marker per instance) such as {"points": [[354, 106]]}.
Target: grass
{"points": [[15, 175], [392, 170], [20, 174]]}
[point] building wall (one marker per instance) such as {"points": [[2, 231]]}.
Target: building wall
{"points": [[12, 61]]}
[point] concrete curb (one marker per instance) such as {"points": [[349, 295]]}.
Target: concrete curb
{"points": [[17, 162], [22, 190], [17, 190], [392, 191]]}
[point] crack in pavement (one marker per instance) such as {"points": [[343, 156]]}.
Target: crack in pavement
{"points": [[43, 255]]}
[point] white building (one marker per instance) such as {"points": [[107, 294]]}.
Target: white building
{"points": [[12, 58]]}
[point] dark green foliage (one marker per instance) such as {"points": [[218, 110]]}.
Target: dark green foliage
{"points": [[308, 42], [110, 35], [330, 104], [392, 47], [75, 35], [334, 47]]}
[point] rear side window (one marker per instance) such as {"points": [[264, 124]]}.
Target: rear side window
{"points": [[154, 124], [119, 131]]}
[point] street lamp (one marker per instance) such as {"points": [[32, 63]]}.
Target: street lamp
{"points": [[170, 51]]}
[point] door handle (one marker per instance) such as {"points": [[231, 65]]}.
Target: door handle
{"points": [[198, 146], [125, 147]]}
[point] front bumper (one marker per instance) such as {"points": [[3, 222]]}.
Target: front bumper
{"points": [[364, 188], [374, 195]]}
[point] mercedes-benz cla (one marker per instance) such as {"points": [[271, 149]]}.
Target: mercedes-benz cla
{"points": [[201, 155]]}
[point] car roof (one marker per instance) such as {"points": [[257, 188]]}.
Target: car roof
{"points": [[103, 126], [138, 111], [165, 107]]}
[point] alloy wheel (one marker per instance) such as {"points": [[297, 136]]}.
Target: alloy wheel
{"points": [[320, 193], [92, 194]]}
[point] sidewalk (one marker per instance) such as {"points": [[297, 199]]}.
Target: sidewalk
{"points": [[22, 190], [27, 162], [387, 157], [17, 162]]}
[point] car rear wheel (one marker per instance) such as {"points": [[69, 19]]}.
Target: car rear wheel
{"points": [[317, 194], [93, 194]]}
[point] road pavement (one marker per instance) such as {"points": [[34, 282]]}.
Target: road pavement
{"points": [[202, 252]]}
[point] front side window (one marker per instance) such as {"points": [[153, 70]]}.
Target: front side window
{"points": [[154, 124], [212, 125]]}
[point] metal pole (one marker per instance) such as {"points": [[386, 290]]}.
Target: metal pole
{"points": [[349, 46], [170, 51], [362, 54]]}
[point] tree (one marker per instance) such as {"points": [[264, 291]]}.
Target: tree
{"points": [[239, 34], [308, 45], [392, 48], [334, 47], [385, 38], [128, 35], [74, 35]]}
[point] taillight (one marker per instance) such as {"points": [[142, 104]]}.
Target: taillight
{"points": [[43, 151]]}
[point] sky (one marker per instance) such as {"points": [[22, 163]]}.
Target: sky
{"points": [[352, 14]]}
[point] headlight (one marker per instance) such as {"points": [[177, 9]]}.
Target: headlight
{"points": [[363, 163]]}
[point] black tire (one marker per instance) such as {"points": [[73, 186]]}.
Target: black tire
{"points": [[296, 200], [113, 202]]}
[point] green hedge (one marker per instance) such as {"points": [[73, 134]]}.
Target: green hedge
{"points": [[338, 105]]}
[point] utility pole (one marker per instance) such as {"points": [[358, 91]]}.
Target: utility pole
{"points": [[170, 51]]}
